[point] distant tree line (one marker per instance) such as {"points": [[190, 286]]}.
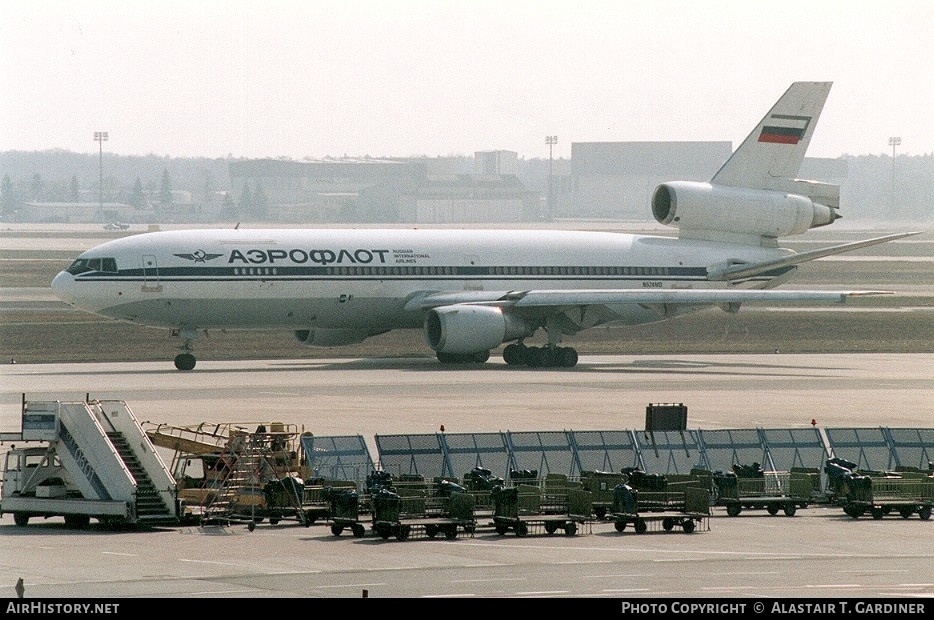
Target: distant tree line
{"points": [[869, 193]]}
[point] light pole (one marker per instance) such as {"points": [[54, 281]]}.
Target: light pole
{"points": [[551, 141], [893, 142], [100, 137]]}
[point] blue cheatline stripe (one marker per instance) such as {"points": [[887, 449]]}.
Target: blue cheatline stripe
{"points": [[401, 273]]}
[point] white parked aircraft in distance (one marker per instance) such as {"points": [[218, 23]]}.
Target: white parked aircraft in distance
{"points": [[474, 290]]}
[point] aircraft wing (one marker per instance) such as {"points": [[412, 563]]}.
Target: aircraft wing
{"points": [[591, 297], [746, 270]]}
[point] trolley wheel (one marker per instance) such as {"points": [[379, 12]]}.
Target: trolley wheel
{"points": [[620, 526], [450, 532], [358, 530], [403, 532], [570, 528], [687, 525], [521, 529], [733, 509], [20, 518], [501, 529], [851, 510], [772, 508], [906, 511], [790, 510], [273, 521], [337, 529], [383, 531], [600, 512], [924, 512], [251, 526], [877, 513], [641, 527], [668, 523], [551, 527], [431, 530]]}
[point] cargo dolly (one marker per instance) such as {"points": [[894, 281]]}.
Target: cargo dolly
{"points": [[343, 503], [880, 496], [687, 508], [769, 490], [520, 509], [413, 509]]}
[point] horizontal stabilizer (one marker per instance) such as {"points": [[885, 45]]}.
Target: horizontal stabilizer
{"points": [[745, 270]]}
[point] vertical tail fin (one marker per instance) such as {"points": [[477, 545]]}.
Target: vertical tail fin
{"points": [[776, 147]]}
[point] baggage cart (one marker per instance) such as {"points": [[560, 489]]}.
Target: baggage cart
{"points": [[688, 509], [772, 491], [520, 509], [417, 510], [881, 496]]}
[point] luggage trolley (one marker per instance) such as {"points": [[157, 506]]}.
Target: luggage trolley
{"points": [[519, 509], [412, 510], [687, 508]]}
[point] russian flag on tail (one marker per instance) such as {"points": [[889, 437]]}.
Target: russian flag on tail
{"points": [[784, 129]]}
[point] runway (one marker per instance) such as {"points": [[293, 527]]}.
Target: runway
{"points": [[819, 553]]}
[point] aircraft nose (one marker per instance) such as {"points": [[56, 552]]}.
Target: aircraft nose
{"points": [[64, 287]]}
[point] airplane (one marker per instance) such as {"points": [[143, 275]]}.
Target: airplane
{"points": [[471, 291]]}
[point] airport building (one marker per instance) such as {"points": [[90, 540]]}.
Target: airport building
{"points": [[416, 190]]}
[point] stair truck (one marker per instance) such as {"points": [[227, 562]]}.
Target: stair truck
{"points": [[83, 461]]}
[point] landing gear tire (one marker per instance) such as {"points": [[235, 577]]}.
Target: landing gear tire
{"points": [[185, 361], [567, 357], [514, 354]]}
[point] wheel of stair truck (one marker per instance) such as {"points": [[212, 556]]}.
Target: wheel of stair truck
{"points": [[687, 525], [790, 510], [358, 530], [733, 509], [641, 527], [620, 526], [337, 529], [570, 528]]}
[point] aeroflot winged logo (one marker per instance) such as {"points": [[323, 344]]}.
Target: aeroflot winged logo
{"points": [[199, 256], [784, 129]]}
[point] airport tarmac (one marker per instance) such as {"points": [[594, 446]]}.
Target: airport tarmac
{"points": [[819, 553]]}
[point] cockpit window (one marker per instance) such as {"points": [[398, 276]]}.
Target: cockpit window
{"points": [[84, 265]]}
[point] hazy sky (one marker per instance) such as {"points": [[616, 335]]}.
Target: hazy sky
{"points": [[405, 77]]}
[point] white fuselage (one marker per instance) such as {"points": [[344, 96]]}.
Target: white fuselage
{"points": [[364, 279]]}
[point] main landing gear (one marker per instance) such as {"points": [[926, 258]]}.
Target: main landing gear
{"points": [[548, 356], [185, 360]]}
